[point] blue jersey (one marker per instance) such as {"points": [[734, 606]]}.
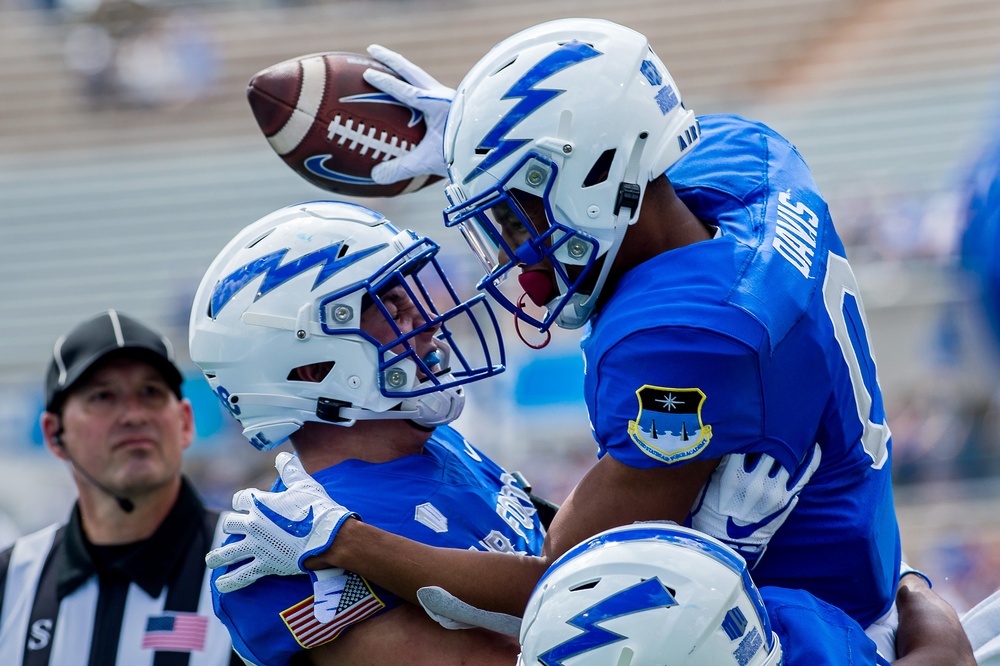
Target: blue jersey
{"points": [[814, 633], [755, 341], [451, 496]]}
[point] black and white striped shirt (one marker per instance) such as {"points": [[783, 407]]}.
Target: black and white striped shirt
{"points": [[144, 605]]}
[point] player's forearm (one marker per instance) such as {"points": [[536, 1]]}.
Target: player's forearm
{"points": [[492, 581], [930, 633], [407, 630]]}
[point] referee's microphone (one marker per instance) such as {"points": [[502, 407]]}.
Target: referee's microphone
{"points": [[124, 503]]}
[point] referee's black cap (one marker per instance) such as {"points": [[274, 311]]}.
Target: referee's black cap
{"points": [[91, 341]]}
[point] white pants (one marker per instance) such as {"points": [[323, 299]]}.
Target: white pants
{"points": [[982, 624], [883, 632]]}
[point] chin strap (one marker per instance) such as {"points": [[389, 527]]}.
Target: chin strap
{"points": [[353, 414], [517, 327]]}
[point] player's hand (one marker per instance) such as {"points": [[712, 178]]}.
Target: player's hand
{"points": [[421, 91], [929, 630], [748, 497], [280, 529]]}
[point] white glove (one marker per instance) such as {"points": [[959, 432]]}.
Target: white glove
{"points": [[421, 91], [280, 529], [747, 498], [452, 613]]}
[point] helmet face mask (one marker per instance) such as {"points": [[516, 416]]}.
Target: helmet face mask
{"points": [[648, 594], [581, 113], [504, 235], [325, 283], [408, 280]]}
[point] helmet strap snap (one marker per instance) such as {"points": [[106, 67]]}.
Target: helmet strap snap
{"points": [[328, 409], [628, 197]]}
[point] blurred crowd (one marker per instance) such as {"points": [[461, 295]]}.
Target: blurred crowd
{"points": [[127, 53]]}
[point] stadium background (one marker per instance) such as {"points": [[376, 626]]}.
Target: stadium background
{"points": [[128, 158]]}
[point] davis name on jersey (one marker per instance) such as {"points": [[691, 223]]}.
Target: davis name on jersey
{"points": [[451, 496], [755, 341]]}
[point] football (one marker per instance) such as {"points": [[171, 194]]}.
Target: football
{"points": [[331, 126]]}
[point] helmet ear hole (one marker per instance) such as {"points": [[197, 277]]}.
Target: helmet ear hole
{"points": [[602, 167], [313, 372]]}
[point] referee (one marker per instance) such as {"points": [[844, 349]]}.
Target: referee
{"points": [[124, 582]]}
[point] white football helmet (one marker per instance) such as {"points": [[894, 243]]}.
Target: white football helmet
{"points": [[289, 290], [580, 113], [648, 594]]}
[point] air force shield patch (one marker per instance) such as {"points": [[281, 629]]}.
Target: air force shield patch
{"points": [[668, 426]]}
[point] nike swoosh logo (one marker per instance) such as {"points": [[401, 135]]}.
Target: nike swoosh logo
{"points": [[385, 98], [296, 528], [315, 165], [736, 531]]}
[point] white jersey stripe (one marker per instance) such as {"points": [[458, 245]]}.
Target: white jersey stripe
{"points": [[26, 563], [68, 639], [75, 627], [217, 642]]}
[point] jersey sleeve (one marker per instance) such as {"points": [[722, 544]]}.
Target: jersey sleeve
{"points": [[272, 619], [450, 496], [814, 633], [669, 395]]}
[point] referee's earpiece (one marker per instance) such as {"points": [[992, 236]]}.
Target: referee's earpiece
{"points": [[125, 503]]}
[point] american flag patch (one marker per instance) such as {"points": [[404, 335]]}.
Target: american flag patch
{"points": [[178, 632], [357, 602]]}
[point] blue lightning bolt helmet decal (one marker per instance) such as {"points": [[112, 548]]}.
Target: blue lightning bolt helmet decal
{"points": [[276, 274], [647, 595], [567, 55]]}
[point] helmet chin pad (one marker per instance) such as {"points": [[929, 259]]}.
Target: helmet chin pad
{"points": [[539, 287]]}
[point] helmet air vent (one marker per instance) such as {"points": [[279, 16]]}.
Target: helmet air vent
{"points": [[589, 585], [602, 166], [259, 238]]}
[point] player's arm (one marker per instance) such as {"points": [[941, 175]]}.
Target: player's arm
{"points": [[407, 634], [609, 495], [303, 529], [929, 633], [499, 582], [613, 494]]}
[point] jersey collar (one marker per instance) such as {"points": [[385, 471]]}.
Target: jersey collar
{"points": [[148, 563]]}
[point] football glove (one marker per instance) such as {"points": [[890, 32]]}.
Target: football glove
{"points": [[420, 91], [748, 497], [280, 529]]}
